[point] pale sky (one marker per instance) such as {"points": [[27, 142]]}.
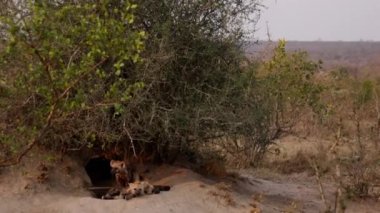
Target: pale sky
{"points": [[328, 20]]}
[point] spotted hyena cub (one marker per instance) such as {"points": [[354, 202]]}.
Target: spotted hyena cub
{"points": [[129, 183], [140, 188]]}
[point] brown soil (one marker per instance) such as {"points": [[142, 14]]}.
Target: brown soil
{"points": [[63, 189]]}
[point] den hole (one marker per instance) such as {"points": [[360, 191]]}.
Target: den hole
{"points": [[99, 171]]}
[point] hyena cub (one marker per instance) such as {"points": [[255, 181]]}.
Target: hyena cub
{"points": [[121, 177], [129, 183], [140, 188]]}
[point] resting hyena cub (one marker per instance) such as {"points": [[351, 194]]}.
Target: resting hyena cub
{"points": [[129, 183], [140, 188]]}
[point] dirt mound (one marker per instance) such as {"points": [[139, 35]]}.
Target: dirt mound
{"points": [[42, 172], [190, 193], [62, 187]]}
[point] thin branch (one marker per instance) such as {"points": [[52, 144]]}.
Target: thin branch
{"points": [[130, 138], [320, 186]]}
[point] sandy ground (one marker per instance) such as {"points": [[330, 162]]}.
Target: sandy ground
{"points": [[245, 191], [190, 193]]}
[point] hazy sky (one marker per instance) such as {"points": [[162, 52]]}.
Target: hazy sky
{"points": [[346, 20]]}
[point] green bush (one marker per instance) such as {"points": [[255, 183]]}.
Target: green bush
{"points": [[83, 78], [63, 63]]}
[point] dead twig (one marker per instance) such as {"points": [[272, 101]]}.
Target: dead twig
{"points": [[130, 138], [338, 177], [320, 185]]}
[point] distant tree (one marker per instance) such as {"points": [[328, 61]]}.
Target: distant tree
{"points": [[290, 85]]}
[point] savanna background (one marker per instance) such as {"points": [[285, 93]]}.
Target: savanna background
{"points": [[184, 91]]}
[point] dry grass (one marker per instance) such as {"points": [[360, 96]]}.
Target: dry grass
{"points": [[255, 202], [299, 163], [213, 167], [362, 176], [223, 193], [360, 169], [293, 207]]}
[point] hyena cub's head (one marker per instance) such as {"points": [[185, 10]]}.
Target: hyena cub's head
{"points": [[135, 189], [117, 166]]}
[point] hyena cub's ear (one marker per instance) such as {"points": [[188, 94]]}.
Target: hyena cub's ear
{"points": [[112, 164], [122, 165]]}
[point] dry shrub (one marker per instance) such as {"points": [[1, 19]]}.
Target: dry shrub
{"points": [[213, 167], [296, 164], [300, 162], [362, 176]]}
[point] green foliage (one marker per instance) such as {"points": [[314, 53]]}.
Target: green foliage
{"points": [[66, 60], [365, 93], [340, 74], [289, 82], [82, 69], [195, 86], [356, 93], [71, 42]]}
